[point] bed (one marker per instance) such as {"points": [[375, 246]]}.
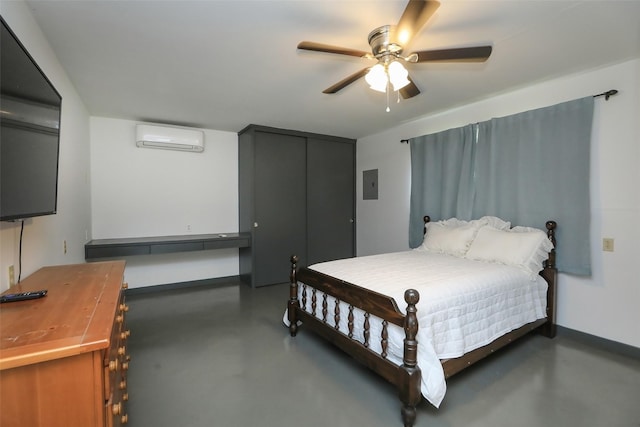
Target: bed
{"points": [[470, 289]]}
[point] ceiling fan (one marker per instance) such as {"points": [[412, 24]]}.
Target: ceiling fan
{"points": [[387, 45]]}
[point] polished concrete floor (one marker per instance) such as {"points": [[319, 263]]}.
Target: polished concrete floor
{"points": [[220, 357]]}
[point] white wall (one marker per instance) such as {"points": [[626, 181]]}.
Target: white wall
{"points": [[43, 241], [142, 192], [605, 304]]}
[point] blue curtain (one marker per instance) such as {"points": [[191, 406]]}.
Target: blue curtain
{"points": [[441, 178], [526, 168]]}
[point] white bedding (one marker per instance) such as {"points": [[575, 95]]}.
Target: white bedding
{"points": [[464, 304]]}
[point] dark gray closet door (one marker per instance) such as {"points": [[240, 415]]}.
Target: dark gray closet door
{"points": [[280, 211], [330, 200]]}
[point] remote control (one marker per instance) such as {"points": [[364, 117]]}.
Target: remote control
{"points": [[21, 296]]}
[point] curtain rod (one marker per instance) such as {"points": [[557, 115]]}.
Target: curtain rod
{"points": [[608, 94]]}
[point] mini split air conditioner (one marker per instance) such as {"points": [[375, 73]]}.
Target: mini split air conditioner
{"points": [[169, 138]]}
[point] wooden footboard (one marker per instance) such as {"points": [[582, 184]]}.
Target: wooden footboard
{"points": [[405, 377]]}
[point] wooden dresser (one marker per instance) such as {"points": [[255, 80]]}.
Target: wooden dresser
{"points": [[63, 358]]}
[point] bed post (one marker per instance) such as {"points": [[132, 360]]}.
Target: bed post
{"points": [[293, 297], [411, 375], [550, 273], [426, 220]]}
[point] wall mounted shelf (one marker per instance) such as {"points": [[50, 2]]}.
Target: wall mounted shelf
{"points": [[110, 248]]}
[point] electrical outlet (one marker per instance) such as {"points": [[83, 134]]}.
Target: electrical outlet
{"points": [[607, 244], [64, 246], [12, 276]]}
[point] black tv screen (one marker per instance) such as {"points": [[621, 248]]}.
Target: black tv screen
{"points": [[30, 110]]}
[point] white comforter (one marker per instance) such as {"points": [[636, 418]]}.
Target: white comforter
{"points": [[464, 304]]}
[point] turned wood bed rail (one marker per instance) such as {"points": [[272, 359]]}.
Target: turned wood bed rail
{"points": [[406, 377]]}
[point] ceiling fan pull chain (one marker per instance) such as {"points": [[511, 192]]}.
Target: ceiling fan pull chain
{"points": [[388, 109]]}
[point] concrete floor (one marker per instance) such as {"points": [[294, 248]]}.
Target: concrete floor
{"points": [[219, 356]]}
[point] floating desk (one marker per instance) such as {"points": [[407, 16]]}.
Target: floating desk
{"points": [[110, 248]]}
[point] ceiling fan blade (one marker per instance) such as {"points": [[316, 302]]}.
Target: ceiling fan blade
{"points": [[346, 81], [415, 15], [463, 54], [410, 90], [320, 47]]}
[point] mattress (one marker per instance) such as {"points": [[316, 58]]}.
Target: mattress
{"points": [[464, 304]]}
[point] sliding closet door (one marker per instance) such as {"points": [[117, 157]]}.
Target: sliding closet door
{"points": [[279, 228], [330, 200], [296, 197]]}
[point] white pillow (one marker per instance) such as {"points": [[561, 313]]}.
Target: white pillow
{"points": [[522, 247], [493, 221], [451, 222], [449, 239]]}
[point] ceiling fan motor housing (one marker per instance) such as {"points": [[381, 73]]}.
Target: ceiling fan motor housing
{"points": [[382, 41]]}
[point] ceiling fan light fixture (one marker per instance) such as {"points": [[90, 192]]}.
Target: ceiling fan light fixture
{"points": [[387, 45], [398, 75], [377, 78]]}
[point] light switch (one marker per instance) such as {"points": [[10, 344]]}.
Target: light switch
{"points": [[607, 244]]}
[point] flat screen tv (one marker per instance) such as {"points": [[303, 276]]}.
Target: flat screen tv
{"points": [[30, 110]]}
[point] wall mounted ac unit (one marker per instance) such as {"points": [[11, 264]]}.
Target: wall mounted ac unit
{"points": [[169, 138]]}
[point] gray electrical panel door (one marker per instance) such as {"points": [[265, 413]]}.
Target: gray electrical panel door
{"points": [[330, 200]]}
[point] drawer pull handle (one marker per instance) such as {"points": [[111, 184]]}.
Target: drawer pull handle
{"points": [[123, 385], [119, 318], [124, 335], [124, 419], [125, 366], [122, 351], [125, 397], [116, 408], [123, 307], [125, 285], [113, 365]]}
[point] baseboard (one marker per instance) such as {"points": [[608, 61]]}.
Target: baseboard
{"points": [[217, 281], [602, 343]]}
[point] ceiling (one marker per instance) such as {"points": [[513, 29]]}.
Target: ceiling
{"points": [[224, 64]]}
